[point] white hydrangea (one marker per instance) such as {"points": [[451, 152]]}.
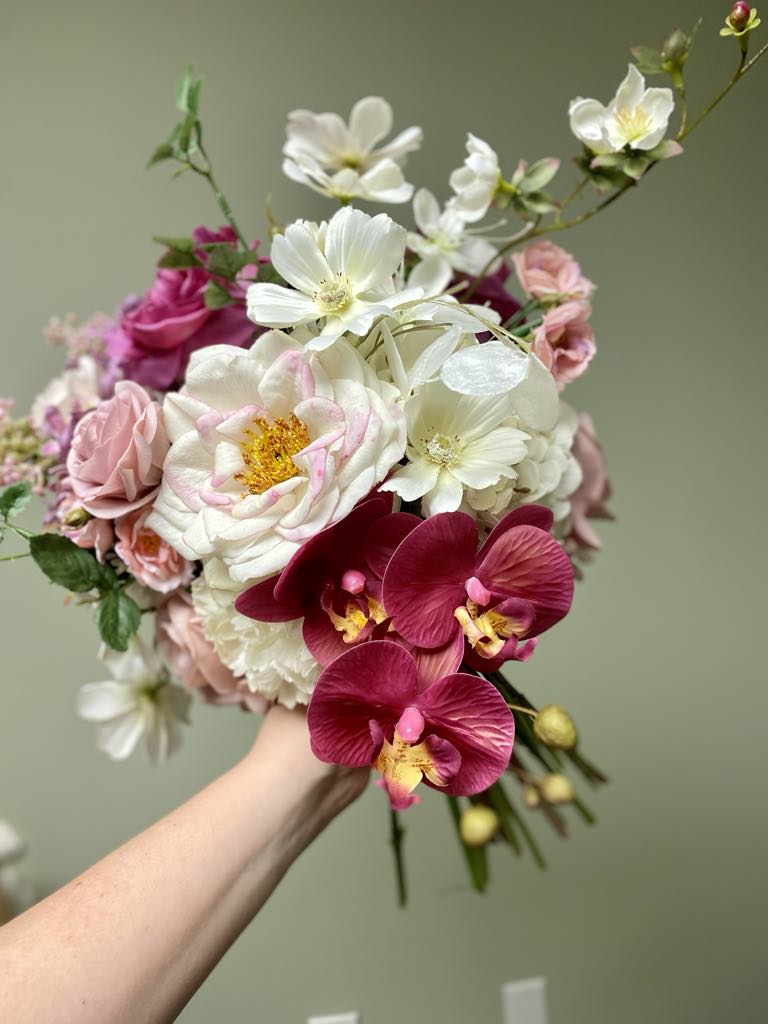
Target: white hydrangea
{"points": [[272, 656]]}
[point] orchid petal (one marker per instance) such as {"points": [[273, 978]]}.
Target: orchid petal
{"points": [[383, 538]]}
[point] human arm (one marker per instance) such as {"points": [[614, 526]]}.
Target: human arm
{"points": [[135, 935]]}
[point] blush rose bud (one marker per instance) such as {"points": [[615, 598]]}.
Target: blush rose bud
{"points": [[478, 825], [554, 727], [557, 789]]}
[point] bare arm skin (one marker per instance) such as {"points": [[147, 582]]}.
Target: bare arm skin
{"points": [[133, 937]]}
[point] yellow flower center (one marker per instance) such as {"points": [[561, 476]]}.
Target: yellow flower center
{"points": [[335, 295], [355, 619], [634, 123], [148, 543], [442, 449], [268, 454], [487, 631], [404, 765]]}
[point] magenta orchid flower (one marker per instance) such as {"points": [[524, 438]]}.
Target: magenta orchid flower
{"points": [[437, 585], [372, 706], [333, 582]]}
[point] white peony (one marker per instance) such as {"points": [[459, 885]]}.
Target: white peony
{"points": [[139, 701], [272, 656], [342, 160], [476, 182], [636, 117], [342, 273], [269, 446]]}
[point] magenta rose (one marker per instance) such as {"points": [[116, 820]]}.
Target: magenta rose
{"points": [[589, 500], [192, 659], [565, 342], [157, 334], [116, 457], [547, 272], [154, 563]]}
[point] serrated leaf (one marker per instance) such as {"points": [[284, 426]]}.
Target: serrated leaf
{"points": [[224, 261], [175, 259], [216, 297], [63, 562], [14, 499], [118, 619]]}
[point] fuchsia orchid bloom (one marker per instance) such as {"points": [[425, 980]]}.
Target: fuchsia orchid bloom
{"points": [[373, 707], [334, 583], [437, 585]]}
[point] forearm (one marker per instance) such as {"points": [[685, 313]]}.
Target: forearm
{"points": [[133, 937]]}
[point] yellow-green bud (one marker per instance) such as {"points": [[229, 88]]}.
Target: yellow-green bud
{"points": [[76, 518], [531, 796], [478, 825], [557, 789], [554, 727], [675, 48]]}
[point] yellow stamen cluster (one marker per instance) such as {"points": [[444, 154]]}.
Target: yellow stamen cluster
{"points": [[268, 454], [335, 295], [486, 631], [355, 619], [634, 123], [404, 765]]}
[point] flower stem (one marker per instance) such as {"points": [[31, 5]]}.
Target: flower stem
{"points": [[207, 173], [396, 835], [13, 558]]}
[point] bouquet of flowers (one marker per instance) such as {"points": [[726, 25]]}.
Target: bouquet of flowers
{"points": [[339, 470]]}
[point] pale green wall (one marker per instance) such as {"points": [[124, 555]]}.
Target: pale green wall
{"points": [[658, 914]]}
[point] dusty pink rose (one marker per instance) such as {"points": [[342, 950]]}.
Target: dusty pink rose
{"points": [[96, 535], [158, 333], [192, 659], [547, 272], [116, 458], [588, 501], [565, 342], [154, 563]]}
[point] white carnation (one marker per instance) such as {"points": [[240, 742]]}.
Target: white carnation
{"points": [[272, 656]]}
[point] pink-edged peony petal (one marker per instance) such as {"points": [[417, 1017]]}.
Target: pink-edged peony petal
{"points": [[383, 538], [425, 578], [526, 562], [470, 713], [524, 515], [374, 680]]}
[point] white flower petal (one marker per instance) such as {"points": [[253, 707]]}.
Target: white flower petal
{"points": [[369, 122], [367, 250], [413, 480], [275, 306], [587, 118], [297, 257], [492, 368], [630, 93]]}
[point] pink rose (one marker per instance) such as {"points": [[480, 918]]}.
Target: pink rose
{"points": [[192, 659], [158, 333], [116, 458], [154, 563], [588, 501], [547, 272], [565, 342]]}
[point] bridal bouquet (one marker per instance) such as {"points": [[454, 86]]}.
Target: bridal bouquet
{"points": [[339, 469]]}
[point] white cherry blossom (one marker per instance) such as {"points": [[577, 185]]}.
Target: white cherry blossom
{"points": [[636, 117]]}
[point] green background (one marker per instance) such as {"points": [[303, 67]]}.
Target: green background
{"points": [[657, 914]]}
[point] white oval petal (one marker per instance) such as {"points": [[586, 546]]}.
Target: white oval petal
{"points": [[489, 369]]}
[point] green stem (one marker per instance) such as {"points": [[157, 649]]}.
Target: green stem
{"points": [[13, 558], [396, 839], [739, 73], [680, 89], [19, 531], [572, 195], [207, 173]]}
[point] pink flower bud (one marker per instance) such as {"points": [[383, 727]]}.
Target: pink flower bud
{"points": [[740, 13], [410, 725]]}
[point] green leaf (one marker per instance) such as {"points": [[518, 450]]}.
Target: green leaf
{"points": [[188, 92], [75, 568], [475, 856], [539, 174], [500, 803], [215, 296], [14, 499], [163, 152], [180, 244], [175, 259], [539, 202], [118, 619], [224, 261]]}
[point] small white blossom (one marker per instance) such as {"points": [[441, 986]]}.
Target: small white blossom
{"points": [[342, 160], [475, 183], [636, 117], [139, 701], [444, 245]]}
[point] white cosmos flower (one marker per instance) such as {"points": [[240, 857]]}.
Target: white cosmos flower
{"points": [[636, 117], [139, 701], [475, 183], [455, 441], [343, 274], [269, 445], [271, 656], [341, 160], [444, 245]]}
